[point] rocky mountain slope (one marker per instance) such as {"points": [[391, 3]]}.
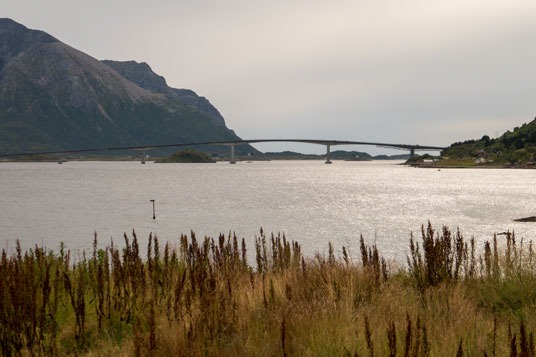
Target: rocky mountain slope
{"points": [[54, 97]]}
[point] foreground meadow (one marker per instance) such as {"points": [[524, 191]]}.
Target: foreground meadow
{"points": [[202, 297]]}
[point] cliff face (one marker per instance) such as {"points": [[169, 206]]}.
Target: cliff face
{"points": [[142, 75], [54, 97]]}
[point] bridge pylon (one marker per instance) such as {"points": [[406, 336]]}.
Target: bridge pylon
{"points": [[232, 155], [328, 153]]}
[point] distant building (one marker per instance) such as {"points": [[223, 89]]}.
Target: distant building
{"points": [[482, 160]]}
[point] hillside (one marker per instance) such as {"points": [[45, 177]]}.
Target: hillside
{"points": [[516, 147], [54, 97]]}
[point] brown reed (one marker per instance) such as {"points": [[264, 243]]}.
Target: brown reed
{"points": [[204, 298]]}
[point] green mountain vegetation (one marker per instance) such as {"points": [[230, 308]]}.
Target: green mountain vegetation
{"points": [[54, 97]]}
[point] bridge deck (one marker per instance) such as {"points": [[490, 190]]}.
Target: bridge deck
{"points": [[236, 142]]}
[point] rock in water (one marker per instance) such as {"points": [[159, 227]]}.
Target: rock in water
{"points": [[527, 219]]}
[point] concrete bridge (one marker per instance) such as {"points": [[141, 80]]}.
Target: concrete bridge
{"points": [[232, 143]]}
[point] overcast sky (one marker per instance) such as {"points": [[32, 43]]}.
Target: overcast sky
{"points": [[416, 72]]}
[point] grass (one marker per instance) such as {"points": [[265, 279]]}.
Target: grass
{"points": [[204, 298]]}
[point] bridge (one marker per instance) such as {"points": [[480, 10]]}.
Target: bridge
{"points": [[233, 143]]}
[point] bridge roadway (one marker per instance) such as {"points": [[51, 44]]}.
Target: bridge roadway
{"points": [[233, 143]]}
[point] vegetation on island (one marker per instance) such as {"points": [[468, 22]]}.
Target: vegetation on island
{"points": [[187, 155], [204, 297]]}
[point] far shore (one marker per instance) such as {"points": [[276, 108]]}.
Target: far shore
{"points": [[471, 167]]}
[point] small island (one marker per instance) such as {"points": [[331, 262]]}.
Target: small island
{"points": [[187, 156]]}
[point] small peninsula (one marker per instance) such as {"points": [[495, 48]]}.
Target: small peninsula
{"points": [[513, 149]]}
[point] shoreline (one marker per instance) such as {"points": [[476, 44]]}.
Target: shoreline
{"points": [[471, 167]]}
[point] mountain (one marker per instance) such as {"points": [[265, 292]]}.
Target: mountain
{"points": [[335, 155], [54, 97]]}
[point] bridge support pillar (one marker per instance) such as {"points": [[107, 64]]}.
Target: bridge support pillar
{"points": [[232, 155], [143, 157], [412, 152], [328, 160]]}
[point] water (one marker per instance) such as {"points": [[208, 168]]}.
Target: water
{"points": [[313, 203]]}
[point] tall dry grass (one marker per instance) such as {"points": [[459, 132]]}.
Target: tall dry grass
{"points": [[202, 297]]}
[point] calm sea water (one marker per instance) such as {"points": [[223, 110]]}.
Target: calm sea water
{"points": [[313, 203]]}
